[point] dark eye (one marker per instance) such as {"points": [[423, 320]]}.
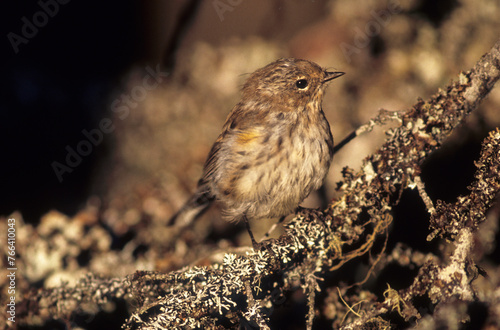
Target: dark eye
{"points": [[301, 83]]}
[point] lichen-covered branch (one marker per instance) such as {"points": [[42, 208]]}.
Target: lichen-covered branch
{"points": [[468, 212], [443, 282]]}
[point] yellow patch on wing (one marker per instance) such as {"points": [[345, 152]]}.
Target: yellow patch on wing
{"points": [[245, 137]]}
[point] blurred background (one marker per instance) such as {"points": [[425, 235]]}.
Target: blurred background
{"points": [[109, 109], [65, 63]]}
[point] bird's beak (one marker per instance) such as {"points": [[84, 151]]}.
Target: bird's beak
{"points": [[332, 75]]}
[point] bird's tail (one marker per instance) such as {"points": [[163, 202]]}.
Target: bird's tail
{"points": [[194, 207]]}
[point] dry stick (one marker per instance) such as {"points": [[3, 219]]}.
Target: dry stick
{"points": [[382, 117], [423, 194]]}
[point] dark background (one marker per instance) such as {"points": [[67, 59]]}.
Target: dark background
{"points": [[52, 89]]}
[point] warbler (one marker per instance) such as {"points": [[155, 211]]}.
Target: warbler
{"points": [[275, 147]]}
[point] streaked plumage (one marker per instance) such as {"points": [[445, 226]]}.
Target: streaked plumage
{"points": [[275, 147]]}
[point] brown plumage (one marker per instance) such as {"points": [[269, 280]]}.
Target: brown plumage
{"points": [[275, 147]]}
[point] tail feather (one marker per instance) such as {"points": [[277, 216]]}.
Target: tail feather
{"points": [[194, 207]]}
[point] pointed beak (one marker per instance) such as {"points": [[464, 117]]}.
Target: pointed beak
{"points": [[332, 75]]}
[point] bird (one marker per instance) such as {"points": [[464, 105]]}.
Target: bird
{"points": [[274, 149]]}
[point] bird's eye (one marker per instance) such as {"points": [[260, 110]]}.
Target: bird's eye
{"points": [[301, 83]]}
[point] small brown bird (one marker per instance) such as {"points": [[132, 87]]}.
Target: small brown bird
{"points": [[275, 147]]}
